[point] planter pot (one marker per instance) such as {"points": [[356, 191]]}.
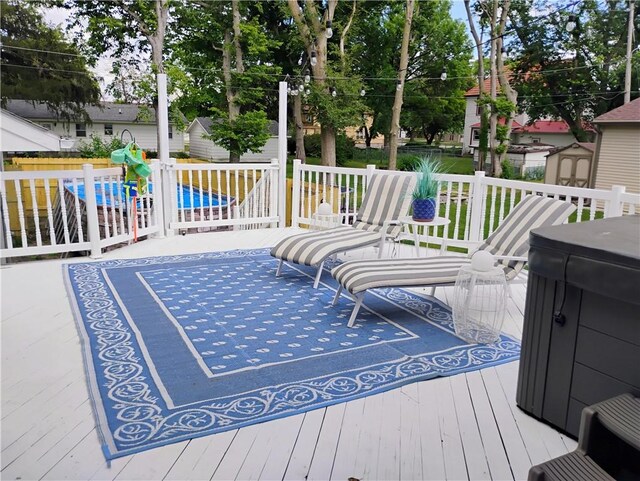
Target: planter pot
{"points": [[424, 210]]}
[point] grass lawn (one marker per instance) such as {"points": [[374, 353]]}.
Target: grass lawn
{"points": [[452, 165]]}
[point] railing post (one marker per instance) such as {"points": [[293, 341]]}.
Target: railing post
{"points": [[274, 181], [168, 194], [93, 227], [476, 205], [158, 201], [282, 153], [236, 214], [371, 169], [614, 207], [295, 194]]}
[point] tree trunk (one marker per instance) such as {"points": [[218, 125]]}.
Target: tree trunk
{"points": [[482, 156], [402, 74], [297, 117], [233, 107], [495, 169], [510, 93], [156, 40], [328, 143]]}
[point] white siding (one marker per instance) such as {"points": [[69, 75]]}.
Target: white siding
{"points": [[21, 136], [145, 134], [470, 118], [202, 148], [619, 157], [557, 140]]}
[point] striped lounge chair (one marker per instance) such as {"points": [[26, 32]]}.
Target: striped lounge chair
{"points": [[509, 243], [388, 197]]}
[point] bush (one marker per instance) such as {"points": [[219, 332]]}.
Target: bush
{"points": [[98, 148], [408, 163], [536, 173], [153, 154], [508, 170], [344, 147]]}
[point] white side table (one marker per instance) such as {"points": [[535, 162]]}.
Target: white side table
{"points": [[414, 226]]}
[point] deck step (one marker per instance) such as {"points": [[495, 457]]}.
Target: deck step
{"points": [[621, 416], [573, 466]]}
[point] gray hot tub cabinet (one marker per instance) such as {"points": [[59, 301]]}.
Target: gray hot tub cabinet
{"points": [[581, 334]]}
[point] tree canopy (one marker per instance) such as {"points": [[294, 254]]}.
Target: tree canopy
{"points": [[39, 64]]}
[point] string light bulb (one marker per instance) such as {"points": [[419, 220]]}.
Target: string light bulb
{"points": [[307, 91], [571, 23], [398, 85], [443, 75], [307, 77], [362, 92], [332, 91], [294, 92], [314, 57], [329, 30], [301, 88]]}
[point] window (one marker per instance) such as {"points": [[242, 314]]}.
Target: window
{"points": [[475, 135], [108, 129], [308, 119], [360, 133], [81, 130], [535, 140], [46, 126], [171, 131], [478, 109]]}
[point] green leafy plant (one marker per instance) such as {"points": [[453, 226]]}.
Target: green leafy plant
{"points": [[427, 186], [97, 147]]}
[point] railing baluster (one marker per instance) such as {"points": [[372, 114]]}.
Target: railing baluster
{"points": [[192, 211], [492, 208], [76, 201], [209, 196], [52, 229], [36, 216], [229, 191], [347, 197], [580, 208], [63, 211], [503, 201], [456, 226], [200, 189], [5, 215], [120, 206], [219, 192], [21, 218]]}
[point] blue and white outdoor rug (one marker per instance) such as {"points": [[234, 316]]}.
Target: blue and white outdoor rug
{"points": [[185, 346]]}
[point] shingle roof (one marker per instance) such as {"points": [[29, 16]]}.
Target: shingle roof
{"points": [[549, 127], [626, 113], [105, 112], [590, 146], [514, 125], [206, 125]]}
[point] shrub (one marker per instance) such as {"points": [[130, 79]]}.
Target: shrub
{"points": [[536, 173], [408, 163], [344, 147], [97, 147], [508, 170]]}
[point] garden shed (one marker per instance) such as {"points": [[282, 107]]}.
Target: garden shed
{"points": [[203, 148], [570, 165]]}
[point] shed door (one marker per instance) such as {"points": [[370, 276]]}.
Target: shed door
{"points": [[574, 170]]}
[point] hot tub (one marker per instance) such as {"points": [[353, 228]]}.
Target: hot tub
{"points": [[581, 334]]}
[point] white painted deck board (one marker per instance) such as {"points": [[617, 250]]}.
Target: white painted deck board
{"points": [[462, 427]]}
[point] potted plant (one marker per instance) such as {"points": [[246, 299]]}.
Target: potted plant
{"points": [[426, 190]]}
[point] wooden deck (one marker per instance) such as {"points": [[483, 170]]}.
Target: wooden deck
{"points": [[457, 428]]}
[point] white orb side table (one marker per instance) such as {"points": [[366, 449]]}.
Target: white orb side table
{"points": [[479, 304]]}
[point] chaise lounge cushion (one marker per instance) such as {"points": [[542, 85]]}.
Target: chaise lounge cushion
{"points": [[387, 198]]}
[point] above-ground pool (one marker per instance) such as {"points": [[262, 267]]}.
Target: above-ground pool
{"points": [[112, 194]]}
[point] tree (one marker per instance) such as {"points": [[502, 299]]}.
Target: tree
{"points": [[402, 74], [577, 75], [39, 64], [226, 51], [333, 111], [124, 26]]}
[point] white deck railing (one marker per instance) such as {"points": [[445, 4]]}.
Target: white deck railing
{"points": [[204, 196], [475, 204], [52, 212]]}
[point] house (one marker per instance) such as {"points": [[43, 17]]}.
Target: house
{"points": [[525, 158], [108, 120], [570, 165], [20, 135], [203, 148], [617, 155], [552, 132], [471, 133]]}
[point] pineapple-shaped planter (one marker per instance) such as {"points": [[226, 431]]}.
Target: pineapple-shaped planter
{"points": [[424, 210]]}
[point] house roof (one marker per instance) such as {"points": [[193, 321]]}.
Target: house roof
{"points": [[21, 135], [105, 112], [590, 146], [475, 90], [206, 123], [626, 113], [548, 127]]}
